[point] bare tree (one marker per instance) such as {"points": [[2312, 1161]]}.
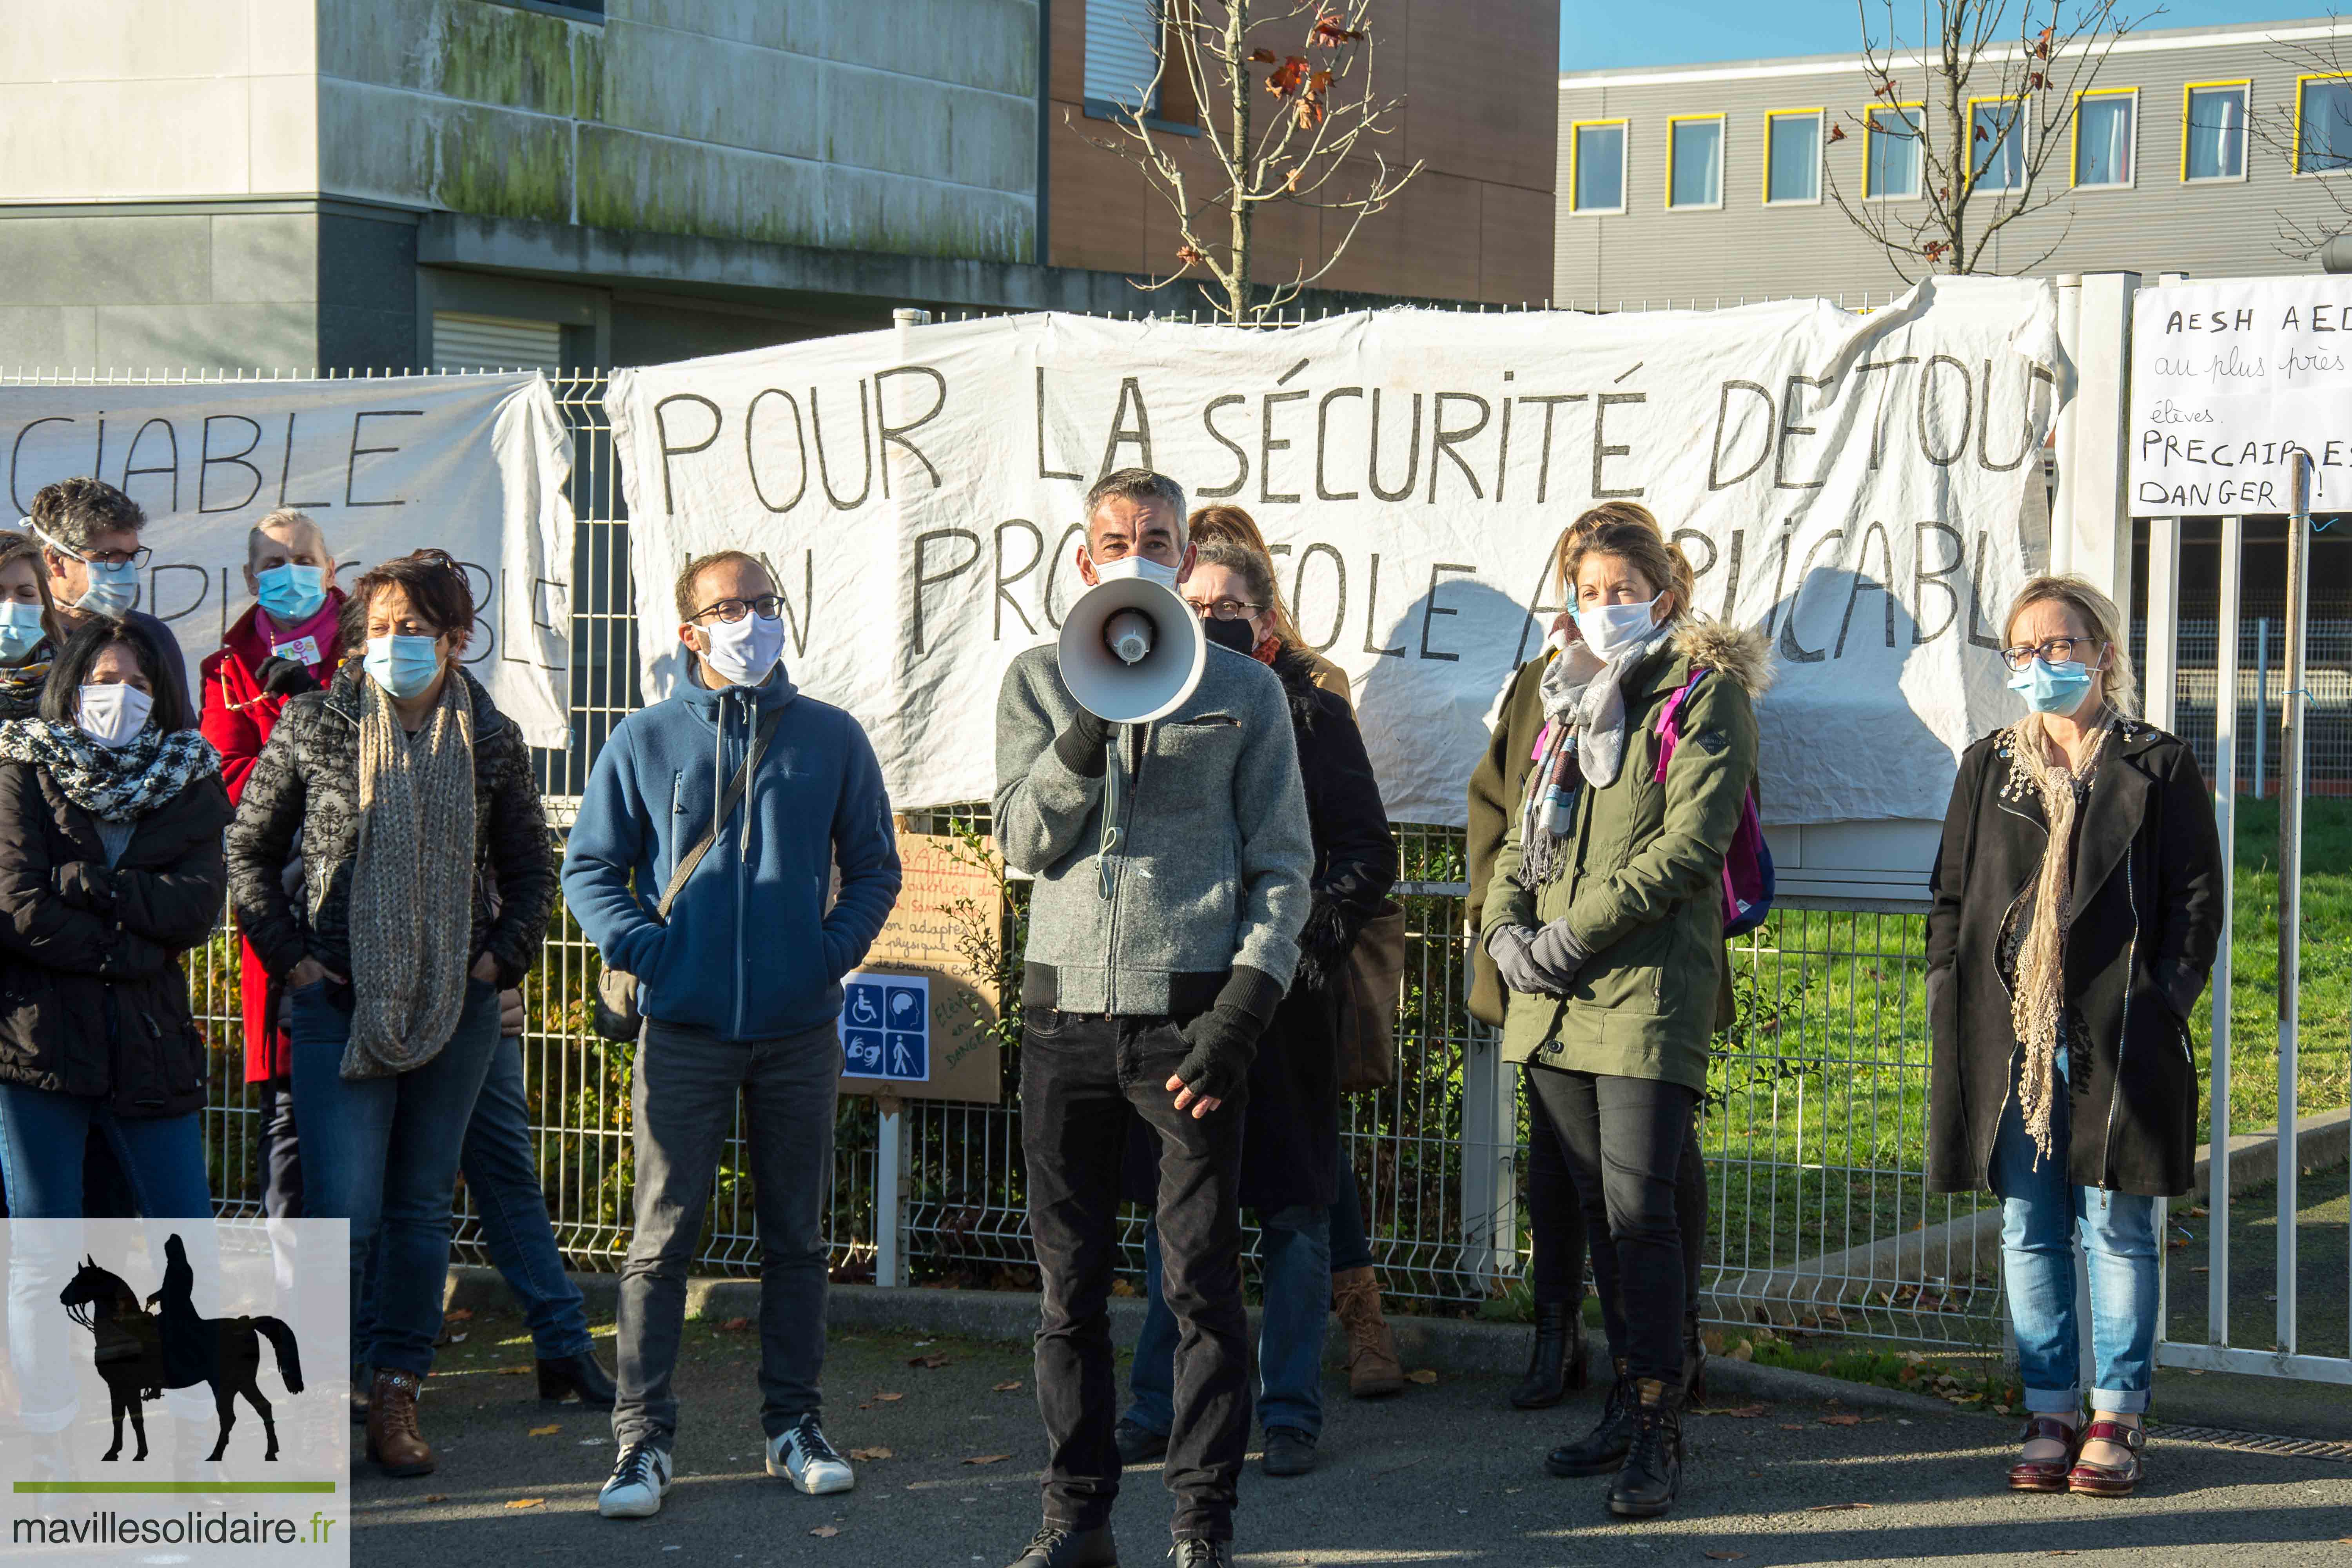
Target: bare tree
{"points": [[2314, 140], [1317, 147], [2026, 75]]}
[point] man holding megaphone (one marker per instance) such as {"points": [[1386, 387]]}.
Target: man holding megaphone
{"points": [[1150, 783]]}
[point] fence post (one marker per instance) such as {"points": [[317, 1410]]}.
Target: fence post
{"points": [[2062, 503], [1490, 1144], [2262, 700], [2097, 539], [889, 1190], [2225, 809], [2294, 703]]}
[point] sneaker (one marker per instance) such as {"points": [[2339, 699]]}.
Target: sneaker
{"points": [[1057, 1546], [1288, 1451], [802, 1457], [1198, 1552], [639, 1479], [1138, 1444]]}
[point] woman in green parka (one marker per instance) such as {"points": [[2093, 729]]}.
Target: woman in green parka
{"points": [[1604, 917]]}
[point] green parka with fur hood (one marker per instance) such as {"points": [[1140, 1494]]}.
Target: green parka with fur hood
{"points": [[1642, 890]]}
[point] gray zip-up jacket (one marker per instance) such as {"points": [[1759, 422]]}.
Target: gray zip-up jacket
{"points": [[1214, 871]]}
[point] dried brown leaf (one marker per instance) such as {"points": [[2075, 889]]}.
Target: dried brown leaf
{"points": [[1424, 1376], [437, 1497], [462, 1315], [1741, 1411], [987, 1458], [547, 1431], [868, 1455], [525, 1501], [888, 1398], [1841, 1420], [825, 1532], [1009, 1386], [1838, 1507], [932, 1362]]}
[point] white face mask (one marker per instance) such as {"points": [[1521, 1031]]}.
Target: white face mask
{"points": [[744, 651], [114, 715], [1609, 628], [1136, 566]]}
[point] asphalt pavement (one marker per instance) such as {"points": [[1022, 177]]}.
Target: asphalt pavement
{"points": [[1445, 1473]]}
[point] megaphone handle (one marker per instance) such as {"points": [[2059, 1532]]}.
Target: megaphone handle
{"points": [[1114, 808]]}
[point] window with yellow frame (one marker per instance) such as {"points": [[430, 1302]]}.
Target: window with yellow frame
{"points": [[2213, 131], [2323, 124], [1693, 162], [2106, 139], [1895, 157], [1996, 159], [1792, 156]]}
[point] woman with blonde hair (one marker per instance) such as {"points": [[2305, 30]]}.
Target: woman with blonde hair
{"points": [[30, 634], [2076, 911], [1604, 916], [1556, 1358]]}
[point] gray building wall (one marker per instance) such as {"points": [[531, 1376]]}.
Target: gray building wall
{"points": [[1652, 254]]}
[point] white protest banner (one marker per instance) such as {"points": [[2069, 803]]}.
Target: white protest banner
{"points": [[472, 463], [1856, 486], [2227, 379]]}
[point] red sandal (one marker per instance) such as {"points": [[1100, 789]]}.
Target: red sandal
{"points": [[2044, 1475], [2109, 1480]]}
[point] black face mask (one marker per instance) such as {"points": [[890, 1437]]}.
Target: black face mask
{"points": [[1235, 635]]}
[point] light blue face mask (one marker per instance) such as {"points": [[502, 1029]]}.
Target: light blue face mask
{"points": [[402, 665], [20, 629], [292, 593], [113, 588], [2053, 688]]}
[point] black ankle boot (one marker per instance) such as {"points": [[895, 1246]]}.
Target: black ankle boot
{"points": [[1604, 1448], [1652, 1474], [1694, 1360], [1556, 1361], [584, 1375]]}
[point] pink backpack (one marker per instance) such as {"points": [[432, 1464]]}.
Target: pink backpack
{"points": [[1747, 879]]}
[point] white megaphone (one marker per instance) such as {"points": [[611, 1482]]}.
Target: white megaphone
{"points": [[1131, 651]]}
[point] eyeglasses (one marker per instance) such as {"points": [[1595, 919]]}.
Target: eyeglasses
{"points": [[2050, 650], [139, 557], [1224, 609], [767, 607]]}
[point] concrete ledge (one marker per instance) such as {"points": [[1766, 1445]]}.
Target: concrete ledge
{"points": [[1947, 1253], [1445, 1345]]}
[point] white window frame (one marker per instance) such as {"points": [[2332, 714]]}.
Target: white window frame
{"points": [[2245, 92], [1821, 119], [1722, 157], [1576, 130], [2075, 147], [1916, 139], [2022, 127], [2301, 83]]}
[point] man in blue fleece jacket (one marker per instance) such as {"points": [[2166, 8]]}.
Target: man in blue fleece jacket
{"points": [[739, 989]]}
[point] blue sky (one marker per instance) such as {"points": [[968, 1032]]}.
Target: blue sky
{"points": [[1595, 35]]}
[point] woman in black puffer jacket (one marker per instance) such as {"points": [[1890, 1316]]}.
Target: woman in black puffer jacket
{"points": [[1290, 1142]]}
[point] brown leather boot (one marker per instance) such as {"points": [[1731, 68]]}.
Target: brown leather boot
{"points": [[392, 1440], [1373, 1369]]}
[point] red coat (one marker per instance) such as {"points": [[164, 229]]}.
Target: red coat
{"points": [[237, 718]]}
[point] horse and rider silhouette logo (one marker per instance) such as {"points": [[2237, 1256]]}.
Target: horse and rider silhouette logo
{"points": [[141, 1354]]}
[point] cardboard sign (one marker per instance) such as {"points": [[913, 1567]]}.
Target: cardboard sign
{"points": [[916, 1015]]}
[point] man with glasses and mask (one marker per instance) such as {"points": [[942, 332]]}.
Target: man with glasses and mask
{"points": [[90, 542], [1151, 970], [739, 987]]}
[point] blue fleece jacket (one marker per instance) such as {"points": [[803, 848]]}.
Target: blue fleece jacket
{"points": [[750, 952]]}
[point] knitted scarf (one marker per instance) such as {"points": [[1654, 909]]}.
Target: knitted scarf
{"points": [[412, 882], [113, 784], [1583, 740], [20, 684], [2038, 1003]]}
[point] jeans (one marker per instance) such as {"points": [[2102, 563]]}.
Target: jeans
{"points": [[1295, 1267], [684, 1101], [1351, 1246], [1081, 1079], [1555, 1216], [383, 1152], [44, 1138], [2041, 1213], [281, 1152], [501, 1171], [1628, 1140]]}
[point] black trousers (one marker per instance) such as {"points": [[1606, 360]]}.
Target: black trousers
{"points": [[1555, 1214], [1083, 1077], [1628, 1141]]}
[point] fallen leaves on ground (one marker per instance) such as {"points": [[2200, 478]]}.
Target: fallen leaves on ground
{"points": [[1790, 1426], [1425, 1376], [525, 1501], [1739, 1411], [1838, 1507], [546, 1431], [826, 1531], [1841, 1420], [462, 1315], [1121, 1288], [888, 1398], [867, 1456], [1009, 1386], [987, 1458], [925, 1486], [437, 1497], [512, 1371], [735, 1325], [931, 1362]]}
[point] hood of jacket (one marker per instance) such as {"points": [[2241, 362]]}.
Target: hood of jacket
{"points": [[1743, 652]]}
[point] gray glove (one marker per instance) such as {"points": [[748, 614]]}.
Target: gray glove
{"points": [[1557, 955], [1509, 946]]}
